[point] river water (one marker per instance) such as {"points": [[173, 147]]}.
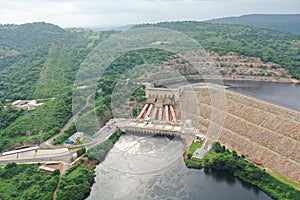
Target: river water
{"points": [[145, 167]]}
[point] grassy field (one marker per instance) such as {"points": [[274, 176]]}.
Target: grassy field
{"points": [[284, 179], [194, 146], [210, 156]]}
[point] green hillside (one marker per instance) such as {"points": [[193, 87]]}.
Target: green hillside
{"points": [[43, 66], [27, 37], [21, 41], [44, 69], [23, 181], [269, 45], [282, 22]]}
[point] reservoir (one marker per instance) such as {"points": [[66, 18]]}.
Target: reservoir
{"points": [[148, 167], [283, 94]]}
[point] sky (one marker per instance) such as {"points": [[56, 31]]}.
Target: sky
{"points": [[97, 13]]}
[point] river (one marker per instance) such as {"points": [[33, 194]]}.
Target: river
{"points": [[144, 167]]}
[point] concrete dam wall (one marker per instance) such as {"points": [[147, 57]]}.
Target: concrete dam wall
{"points": [[259, 130]]}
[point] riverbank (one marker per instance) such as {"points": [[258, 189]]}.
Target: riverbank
{"points": [[218, 79], [84, 171], [245, 78], [221, 158]]}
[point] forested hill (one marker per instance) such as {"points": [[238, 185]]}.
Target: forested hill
{"points": [[39, 61], [271, 46], [19, 39], [282, 22]]}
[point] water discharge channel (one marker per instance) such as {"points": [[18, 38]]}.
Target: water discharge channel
{"points": [[143, 167], [147, 167]]}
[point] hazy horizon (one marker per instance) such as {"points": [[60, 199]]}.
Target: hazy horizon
{"points": [[93, 13]]}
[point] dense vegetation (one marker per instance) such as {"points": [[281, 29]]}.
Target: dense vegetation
{"points": [[44, 67], [80, 178], [223, 159], [75, 185], [34, 126], [26, 37], [26, 182], [41, 61], [283, 22], [80, 151], [8, 116], [119, 67], [269, 45], [68, 133]]}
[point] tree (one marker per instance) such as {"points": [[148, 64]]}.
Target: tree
{"points": [[56, 172], [80, 152], [11, 165], [234, 153]]}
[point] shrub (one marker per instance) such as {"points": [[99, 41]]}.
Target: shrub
{"points": [[80, 152]]}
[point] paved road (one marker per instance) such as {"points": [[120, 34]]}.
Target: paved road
{"points": [[48, 143], [64, 158], [103, 134]]}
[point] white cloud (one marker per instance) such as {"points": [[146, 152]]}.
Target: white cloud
{"points": [[68, 13]]}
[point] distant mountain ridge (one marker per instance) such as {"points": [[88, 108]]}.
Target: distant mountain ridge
{"points": [[282, 22], [108, 28]]}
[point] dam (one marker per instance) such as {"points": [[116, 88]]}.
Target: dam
{"points": [[259, 130]]}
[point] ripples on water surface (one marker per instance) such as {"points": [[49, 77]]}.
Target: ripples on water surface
{"points": [[144, 167], [284, 94]]}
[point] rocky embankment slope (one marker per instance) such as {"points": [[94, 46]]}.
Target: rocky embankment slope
{"points": [[259, 130]]}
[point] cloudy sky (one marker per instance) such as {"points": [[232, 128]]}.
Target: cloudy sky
{"points": [[85, 13]]}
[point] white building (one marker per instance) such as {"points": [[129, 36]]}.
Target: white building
{"points": [[76, 137]]}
